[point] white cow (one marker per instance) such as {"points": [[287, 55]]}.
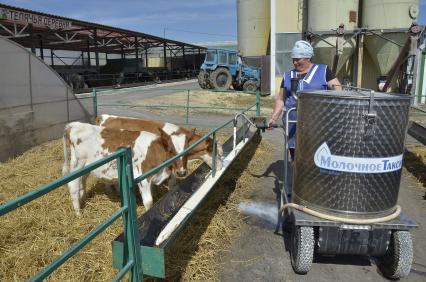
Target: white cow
{"points": [[88, 143]]}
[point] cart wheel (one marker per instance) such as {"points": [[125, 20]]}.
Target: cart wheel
{"points": [[302, 248], [396, 263]]}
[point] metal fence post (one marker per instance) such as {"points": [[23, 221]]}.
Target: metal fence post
{"points": [[257, 102], [214, 155], [421, 79], [95, 103], [244, 131], [126, 182], [187, 108]]}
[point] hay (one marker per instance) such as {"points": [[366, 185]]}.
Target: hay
{"points": [[197, 253], [420, 152], [37, 233], [415, 163]]}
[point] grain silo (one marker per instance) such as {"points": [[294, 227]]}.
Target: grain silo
{"points": [[390, 18], [325, 16]]}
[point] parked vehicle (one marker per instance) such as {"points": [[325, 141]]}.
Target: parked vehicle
{"points": [[223, 68]]}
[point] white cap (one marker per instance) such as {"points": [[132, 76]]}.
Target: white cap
{"points": [[302, 49]]}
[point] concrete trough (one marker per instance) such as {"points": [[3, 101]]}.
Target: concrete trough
{"points": [[418, 131]]}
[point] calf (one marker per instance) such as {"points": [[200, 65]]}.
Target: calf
{"points": [[182, 138], [88, 143]]}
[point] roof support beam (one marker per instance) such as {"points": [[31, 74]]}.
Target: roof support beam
{"points": [[137, 55], [165, 54], [95, 33]]}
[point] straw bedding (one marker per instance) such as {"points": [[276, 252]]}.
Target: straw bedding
{"points": [[415, 163], [35, 234]]}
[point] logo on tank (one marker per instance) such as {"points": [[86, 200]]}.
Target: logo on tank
{"points": [[324, 159]]}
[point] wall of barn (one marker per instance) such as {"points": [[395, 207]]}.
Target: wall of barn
{"points": [[35, 103]]}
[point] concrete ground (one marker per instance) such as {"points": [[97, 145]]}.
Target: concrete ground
{"points": [[107, 101], [261, 255]]}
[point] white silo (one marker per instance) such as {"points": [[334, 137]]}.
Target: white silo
{"points": [[389, 16], [323, 16], [253, 27]]}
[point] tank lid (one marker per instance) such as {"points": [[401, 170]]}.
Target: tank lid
{"points": [[352, 94]]}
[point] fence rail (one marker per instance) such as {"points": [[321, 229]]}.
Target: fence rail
{"points": [[127, 212], [254, 107], [87, 81], [127, 182]]}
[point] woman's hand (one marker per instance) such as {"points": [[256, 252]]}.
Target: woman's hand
{"points": [[271, 122]]}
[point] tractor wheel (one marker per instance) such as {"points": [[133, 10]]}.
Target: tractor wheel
{"points": [[302, 248], [208, 84], [250, 86], [396, 263], [221, 79], [202, 80]]}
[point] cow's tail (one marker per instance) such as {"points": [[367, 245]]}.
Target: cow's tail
{"points": [[67, 144]]}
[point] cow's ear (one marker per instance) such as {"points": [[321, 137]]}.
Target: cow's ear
{"points": [[98, 120], [190, 134], [166, 140], [209, 142], [164, 136]]}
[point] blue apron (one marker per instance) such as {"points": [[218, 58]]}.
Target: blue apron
{"points": [[313, 80]]}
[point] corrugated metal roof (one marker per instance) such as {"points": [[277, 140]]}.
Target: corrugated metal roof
{"points": [[91, 26]]}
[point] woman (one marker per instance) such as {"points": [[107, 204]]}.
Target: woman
{"points": [[305, 75]]}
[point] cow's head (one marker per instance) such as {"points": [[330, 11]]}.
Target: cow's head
{"points": [[204, 151], [179, 166]]}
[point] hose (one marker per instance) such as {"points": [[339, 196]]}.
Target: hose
{"points": [[343, 219]]}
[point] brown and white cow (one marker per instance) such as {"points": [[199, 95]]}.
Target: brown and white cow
{"points": [[182, 138], [88, 143]]}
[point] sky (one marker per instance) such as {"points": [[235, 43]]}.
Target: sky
{"points": [[422, 12], [190, 21]]}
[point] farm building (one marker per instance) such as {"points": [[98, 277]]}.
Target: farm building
{"points": [[46, 59]]}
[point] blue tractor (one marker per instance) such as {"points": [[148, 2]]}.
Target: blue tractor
{"points": [[223, 68]]}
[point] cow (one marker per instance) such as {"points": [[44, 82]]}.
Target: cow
{"points": [[88, 143], [182, 138]]}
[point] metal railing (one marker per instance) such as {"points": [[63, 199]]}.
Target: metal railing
{"points": [[255, 107], [127, 182], [133, 260], [84, 82]]}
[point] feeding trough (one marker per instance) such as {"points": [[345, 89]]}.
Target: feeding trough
{"points": [[160, 225]]}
